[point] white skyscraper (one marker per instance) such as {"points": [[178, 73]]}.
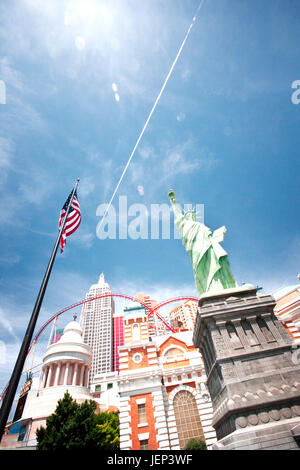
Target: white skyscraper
{"points": [[97, 325]]}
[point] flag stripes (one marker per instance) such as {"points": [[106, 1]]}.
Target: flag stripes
{"points": [[73, 219]]}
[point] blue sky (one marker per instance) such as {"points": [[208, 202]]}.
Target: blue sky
{"points": [[224, 134]]}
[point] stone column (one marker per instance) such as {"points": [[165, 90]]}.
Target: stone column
{"points": [[84, 376], [57, 372], [275, 332], [224, 334], [161, 425], [44, 377], [62, 373], [86, 379], [241, 334], [125, 423], [67, 370], [81, 375], [50, 371], [257, 331], [75, 373], [216, 337]]}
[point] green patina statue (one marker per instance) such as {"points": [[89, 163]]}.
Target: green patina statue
{"points": [[210, 264]]}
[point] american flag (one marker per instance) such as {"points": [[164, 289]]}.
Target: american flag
{"points": [[73, 219]]}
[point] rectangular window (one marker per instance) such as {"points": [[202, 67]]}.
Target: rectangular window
{"points": [[142, 413], [144, 445]]}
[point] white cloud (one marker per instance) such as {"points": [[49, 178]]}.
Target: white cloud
{"points": [[7, 363], [84, 239], [36, 187], [6, 151], [178, 160], [67, 18], [146, 151], [6, 324], [12, 77], [9, 258], [186, 74], [180, 117], [75, 286], [10, 206], [137, 171], [159, 292], [86, 186], [19, 115], [185, 158], [80, 43]]}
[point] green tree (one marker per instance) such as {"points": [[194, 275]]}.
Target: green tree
{"points": [[106, 433], [74, 426], [195, 444]]}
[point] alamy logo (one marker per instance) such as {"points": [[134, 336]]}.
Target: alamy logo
{"points": [[137, 221], [296, 95], [2, 92]]}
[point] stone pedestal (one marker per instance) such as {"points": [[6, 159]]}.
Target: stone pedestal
{"points": [[253, 381]]}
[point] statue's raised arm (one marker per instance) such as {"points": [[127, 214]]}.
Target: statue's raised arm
{"points": [[210, 264], [177, 211]]}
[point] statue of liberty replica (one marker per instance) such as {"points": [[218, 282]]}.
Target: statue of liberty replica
{"points": [[210, 264], [247, 386]]}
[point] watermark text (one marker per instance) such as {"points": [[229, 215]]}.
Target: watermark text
{"points": [[2, 92], [137, 221], [296, 94]]}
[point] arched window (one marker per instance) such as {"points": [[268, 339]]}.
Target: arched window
{"points": [[135, 332], [174, 354], [187, 417]]}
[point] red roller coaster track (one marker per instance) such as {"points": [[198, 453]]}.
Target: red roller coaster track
{"points": [[81, 302]]}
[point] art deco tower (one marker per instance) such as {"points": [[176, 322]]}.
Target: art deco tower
{"points": [[97, 325]]}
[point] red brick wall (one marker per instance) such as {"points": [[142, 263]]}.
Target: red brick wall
{"points": [[144, 361], [150, 428], [171, 387], [174, 342]]}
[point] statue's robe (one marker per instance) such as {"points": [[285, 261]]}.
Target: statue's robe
{"points": [[210, 264]]}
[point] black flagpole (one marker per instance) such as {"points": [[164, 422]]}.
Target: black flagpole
{"points": [[16, 374]]}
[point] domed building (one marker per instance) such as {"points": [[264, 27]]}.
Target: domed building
{"points": [[66, 366]]}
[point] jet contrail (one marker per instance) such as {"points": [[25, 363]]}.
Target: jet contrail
{"points": [[151, 112]]}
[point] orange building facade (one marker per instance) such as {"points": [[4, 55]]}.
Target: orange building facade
{"points": [[184, 315], [287, 310], [163, 397]]}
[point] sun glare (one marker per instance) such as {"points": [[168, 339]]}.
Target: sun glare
{"points": [[85, 9], [90, 20], [89, 11]]}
